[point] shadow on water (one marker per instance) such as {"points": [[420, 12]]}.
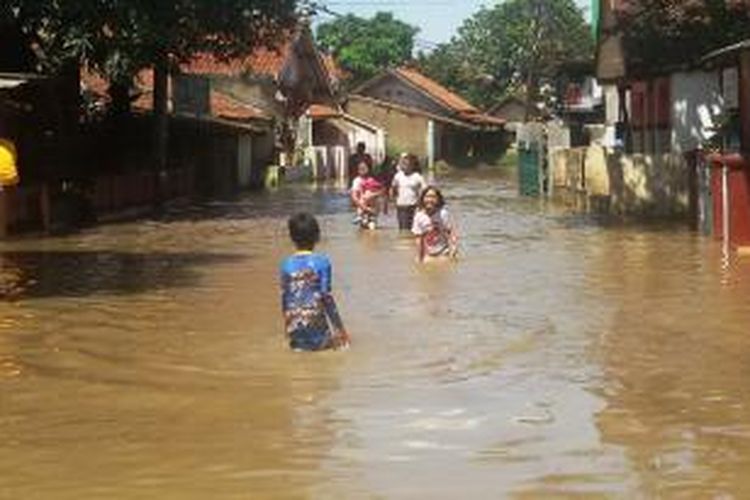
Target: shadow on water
{"points": [[320, 200], [577, 219], [45, 274]]}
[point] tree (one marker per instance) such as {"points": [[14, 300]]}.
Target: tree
{"points": [[513, 45], [366, 46], [120, 37], [668, 32]]}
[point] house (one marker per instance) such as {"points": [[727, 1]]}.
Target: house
{"points": [[421, 116], [579, 101], [656, 120], [652, 110], [334, 137], [282, 82], [727, 211], [513, 110], [234, 117], [225, 142]]}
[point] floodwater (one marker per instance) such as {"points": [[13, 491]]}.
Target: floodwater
{"points": [[564, 355]]}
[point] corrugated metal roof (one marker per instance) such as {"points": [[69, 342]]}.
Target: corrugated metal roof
{"points": [[13, 80], [726, 51]]}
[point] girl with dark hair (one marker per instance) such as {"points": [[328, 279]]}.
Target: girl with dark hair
{"points": [[405, 189], [435, 232]]}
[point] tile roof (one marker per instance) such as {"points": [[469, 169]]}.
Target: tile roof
{"points": [[483, 119], [321, 111], [263, 61], [207, 64], [436, 91], [225, 107], [222, 105]]}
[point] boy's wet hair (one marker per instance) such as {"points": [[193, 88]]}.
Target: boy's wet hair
{"points": [[441, 200], [304, 230]]}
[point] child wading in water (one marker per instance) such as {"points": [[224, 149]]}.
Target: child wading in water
{"points": [[366, 194], [310, 313], [436, 234], [407, 185]]}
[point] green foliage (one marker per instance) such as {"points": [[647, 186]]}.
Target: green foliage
{"points": [[121, 36], [514, 44], [660, 33], [366, 46]]}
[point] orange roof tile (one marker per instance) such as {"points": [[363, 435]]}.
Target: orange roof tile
{"points": [[262, 61], [208, 64], [321, 111], [437, 91], [483, 119], [223, 106]]}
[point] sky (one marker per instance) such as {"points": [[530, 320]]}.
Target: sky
{"points": [[437, 20]]}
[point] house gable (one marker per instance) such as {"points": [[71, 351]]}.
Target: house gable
{"points": [[388, 87], [511, 109], [282, 79]]}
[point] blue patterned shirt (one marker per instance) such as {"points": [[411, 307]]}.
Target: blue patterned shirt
{"points": [[307, 302]]}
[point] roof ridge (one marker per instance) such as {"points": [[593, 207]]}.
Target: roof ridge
{"points": [[444, 95]]}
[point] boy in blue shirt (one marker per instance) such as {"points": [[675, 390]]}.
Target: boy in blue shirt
{"points": [[310, 312]]}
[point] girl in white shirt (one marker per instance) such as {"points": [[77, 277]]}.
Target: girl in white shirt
{"points": [[406, 187]]}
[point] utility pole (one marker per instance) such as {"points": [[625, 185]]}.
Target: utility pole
{"points": [[536, 33]]}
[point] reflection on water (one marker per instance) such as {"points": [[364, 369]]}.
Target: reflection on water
{"points": [[563, 355]]}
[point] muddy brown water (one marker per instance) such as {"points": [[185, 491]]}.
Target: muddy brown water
{"points": [[563, 356]]}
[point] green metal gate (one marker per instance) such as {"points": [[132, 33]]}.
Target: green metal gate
{"points": [[529, 171]]}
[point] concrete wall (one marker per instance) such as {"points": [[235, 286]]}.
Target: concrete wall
{"points": [[653, 185], [405, 131]]}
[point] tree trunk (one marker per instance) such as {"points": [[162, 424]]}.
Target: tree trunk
{"points": [[161, 125]]}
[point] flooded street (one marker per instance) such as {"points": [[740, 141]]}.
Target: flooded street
{"points": [[563, 355]]}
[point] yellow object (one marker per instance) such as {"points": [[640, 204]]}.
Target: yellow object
{"points": [[8, 158]]}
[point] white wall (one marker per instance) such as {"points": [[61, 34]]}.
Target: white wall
{"points": [[611, 116], [696, 102]]}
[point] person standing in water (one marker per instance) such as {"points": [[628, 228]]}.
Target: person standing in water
{"points": [[310, 313], [435, 232], [365, 195], [407, 185], [360, 155]]}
